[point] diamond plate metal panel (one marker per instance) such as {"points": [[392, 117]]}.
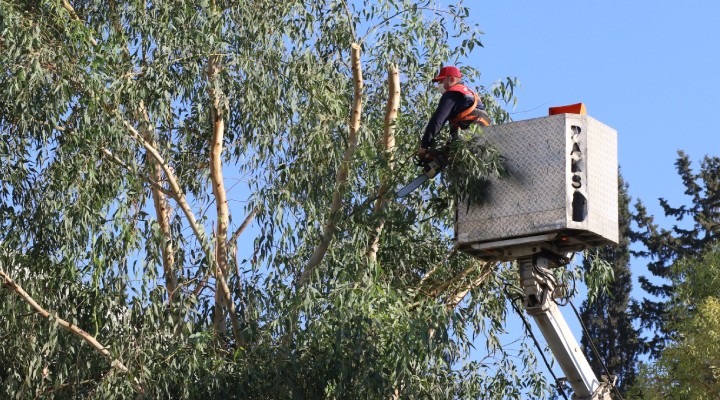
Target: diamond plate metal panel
{"points": [[603, 180], [549, 159]]}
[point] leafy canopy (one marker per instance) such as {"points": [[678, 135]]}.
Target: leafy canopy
{"points": [[112, 205]]}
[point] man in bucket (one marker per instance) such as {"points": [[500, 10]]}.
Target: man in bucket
{"points": [[458, 105]]}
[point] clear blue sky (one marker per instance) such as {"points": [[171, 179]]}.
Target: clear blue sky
{"points": [[649, 69]]}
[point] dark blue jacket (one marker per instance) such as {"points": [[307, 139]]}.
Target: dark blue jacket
{"points": [[451, 104]]}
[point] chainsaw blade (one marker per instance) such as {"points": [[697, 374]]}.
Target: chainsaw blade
{"points": [[412, 185]]}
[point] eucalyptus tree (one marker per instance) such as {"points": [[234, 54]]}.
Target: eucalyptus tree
{"points": [[141, 139]]}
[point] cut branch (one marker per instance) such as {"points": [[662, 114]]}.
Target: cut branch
{"points": [[438, 265], [437, 291], [75, 330], [461, 292], [461, 287], [342, 173], [388, 143]]}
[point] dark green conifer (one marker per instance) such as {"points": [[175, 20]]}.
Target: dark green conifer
{"points": [[606, 317], [698, 224]]}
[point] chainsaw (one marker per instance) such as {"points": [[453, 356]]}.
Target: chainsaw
{"points": [[432, 163]]}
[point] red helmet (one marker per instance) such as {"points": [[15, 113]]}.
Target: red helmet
{"points": [[447, 71]]}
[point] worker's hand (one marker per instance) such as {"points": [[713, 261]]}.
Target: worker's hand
{"points": [[421, 152]]}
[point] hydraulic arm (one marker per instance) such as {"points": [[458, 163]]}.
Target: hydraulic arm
{"points": [[539, 287]]}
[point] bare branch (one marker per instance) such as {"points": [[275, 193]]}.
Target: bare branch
{"points": [[221, 203], [391, 110], [9, 283], [342, 173]]}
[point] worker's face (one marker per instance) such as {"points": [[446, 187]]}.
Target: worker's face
{"points": [[446, 83], [441, 86], [449, 82]]}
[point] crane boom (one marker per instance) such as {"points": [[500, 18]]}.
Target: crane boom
{"points": [[539, 287]]}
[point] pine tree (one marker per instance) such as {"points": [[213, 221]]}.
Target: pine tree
{"points": [[606, 317], [664, 247], [686, 367]]}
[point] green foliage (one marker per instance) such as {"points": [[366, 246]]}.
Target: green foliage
{"points": [[697, 227], [688, 368], [599, 274], [700, 278], [80, 235], [470, 166]]}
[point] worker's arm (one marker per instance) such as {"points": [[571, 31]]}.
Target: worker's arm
{"points": [[441, 114]]}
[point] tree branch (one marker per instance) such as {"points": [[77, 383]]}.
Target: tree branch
{"points": [[461, 292], [390, 18], [350, 20], [435, 268], [244, 225], [175, 192], [233, 240], [162, 210], [391, 110], [67, 6], [342, 173], [221, 203], [75, 330], [156, 185], [179, 197], [437, 291]]}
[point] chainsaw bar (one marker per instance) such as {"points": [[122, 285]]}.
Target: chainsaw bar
{"points": [[433, 164], [412, 185]]}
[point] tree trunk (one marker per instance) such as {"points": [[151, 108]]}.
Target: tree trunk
{"points": [[162, 211]]}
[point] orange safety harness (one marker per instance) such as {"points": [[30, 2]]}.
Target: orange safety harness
{"points": [[468, 115]]}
